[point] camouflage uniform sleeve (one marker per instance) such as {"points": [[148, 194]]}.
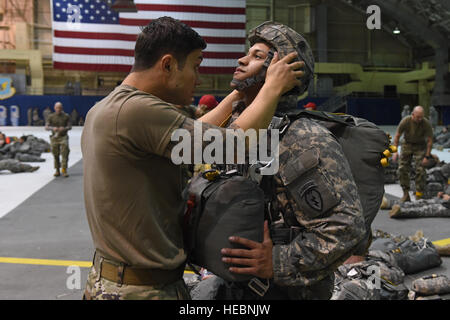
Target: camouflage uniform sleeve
{"points": [[327, 238]]}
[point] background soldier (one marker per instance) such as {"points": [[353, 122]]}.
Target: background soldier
{"points": [[417, 143], [59, 123], [47, 111], [406, 111], [15, 166], [205, 104], [436, 207]]}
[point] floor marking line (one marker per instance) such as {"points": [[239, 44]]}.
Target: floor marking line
{"points": [[46, 262], [442, 242], [51, 262]]}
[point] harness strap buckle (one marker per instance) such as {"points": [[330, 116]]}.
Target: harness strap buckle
{"points": [[258, 287]]}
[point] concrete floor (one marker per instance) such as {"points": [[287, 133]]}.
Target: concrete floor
{"points": [[47, 221]]}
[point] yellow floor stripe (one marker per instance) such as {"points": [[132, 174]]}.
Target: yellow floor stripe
{"points": [[49, 262], [46, 262], [442, 242]]}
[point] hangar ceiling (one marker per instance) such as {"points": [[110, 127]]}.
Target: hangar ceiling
{"points": [[425, 26]]}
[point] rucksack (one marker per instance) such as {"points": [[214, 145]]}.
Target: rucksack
{"points": [[372, 279], [363, 144], [408, 255], [219, 205]]}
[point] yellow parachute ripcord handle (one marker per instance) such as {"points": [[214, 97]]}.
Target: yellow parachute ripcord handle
{"points": [[386, 154]]}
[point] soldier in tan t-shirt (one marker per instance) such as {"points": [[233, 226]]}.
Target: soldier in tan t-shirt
{"points": [[132, 189], [417, 144]]}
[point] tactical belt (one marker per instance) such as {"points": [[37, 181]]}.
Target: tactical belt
{"points": [[123, 274]]}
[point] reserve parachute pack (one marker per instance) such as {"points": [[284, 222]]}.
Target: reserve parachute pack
{"points": [[219, 204]]}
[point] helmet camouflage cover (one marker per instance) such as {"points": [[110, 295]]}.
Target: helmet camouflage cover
{"points": [[286, 40]]}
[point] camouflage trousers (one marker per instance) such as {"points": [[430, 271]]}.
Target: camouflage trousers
{"points": [[25, 157], [103, 289], [408, 153], [15, 166], [423, 208], [429, 285], [60, 146]]}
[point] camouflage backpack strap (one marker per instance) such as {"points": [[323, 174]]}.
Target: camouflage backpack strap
{"points": [[322, 115]]}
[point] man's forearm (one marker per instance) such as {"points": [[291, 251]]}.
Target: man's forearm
{"points": [[259, 113], [396, 139], [429, 147], [220, 113]]}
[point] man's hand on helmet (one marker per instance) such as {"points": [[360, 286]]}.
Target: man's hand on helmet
{"points": [[283, 74]]}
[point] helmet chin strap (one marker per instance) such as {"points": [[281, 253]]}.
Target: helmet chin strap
{"points": [[287, 103], [241, 85]]}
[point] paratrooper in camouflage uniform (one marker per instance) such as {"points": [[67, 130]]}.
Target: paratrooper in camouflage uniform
{"points": [[423, 208], [327, 224], [26, 149], [16, 166]]}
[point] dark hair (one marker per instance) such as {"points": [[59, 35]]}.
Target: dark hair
{"points": [[162, 36]]}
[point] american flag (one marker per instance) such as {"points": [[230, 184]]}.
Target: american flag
{"points": [[88, 35]]}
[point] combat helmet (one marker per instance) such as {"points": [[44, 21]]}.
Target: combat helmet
{"points": [[284, 40]]}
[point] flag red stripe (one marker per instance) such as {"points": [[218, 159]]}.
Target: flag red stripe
{"points": [[127, 68], [186, 8], [130, 53], [91, 66], [94, 51], [95, 35], [132, 37], [192, 24]]}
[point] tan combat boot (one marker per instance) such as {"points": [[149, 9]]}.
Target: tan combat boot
{"points": [[443, 250], [405, 197], [64, 173], [395, 211], [56, 174]]}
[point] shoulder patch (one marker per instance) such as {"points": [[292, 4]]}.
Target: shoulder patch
{"points": [[313, 198]]}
